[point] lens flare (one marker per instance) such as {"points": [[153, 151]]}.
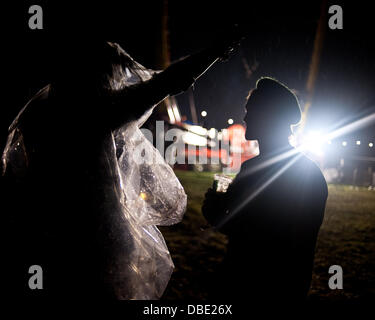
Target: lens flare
{"points": [[313, 143]]}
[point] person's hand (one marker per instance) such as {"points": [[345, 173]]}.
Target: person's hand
{"points": [[180, 75], [227, 42], [213, 205]]}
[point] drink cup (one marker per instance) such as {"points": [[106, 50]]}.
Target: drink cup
{"points": [[221, 182]]}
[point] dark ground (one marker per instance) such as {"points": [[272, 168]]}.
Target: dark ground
{"points": [[347, 238]]}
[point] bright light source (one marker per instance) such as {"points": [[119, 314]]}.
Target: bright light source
{"points": [[194, 139], [204, 113], [313, 143], [176, 113], [329, 141], [370, 144], [212, 133], [344, 143], [230, 121], [172, 119], [358, 142], [198, 130]]}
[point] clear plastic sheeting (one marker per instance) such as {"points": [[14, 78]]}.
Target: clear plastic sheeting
{"points": [[147, 193], [151, 195], [15, 157]]}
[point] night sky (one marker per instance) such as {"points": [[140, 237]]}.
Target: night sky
{"points": [[279, 43]]}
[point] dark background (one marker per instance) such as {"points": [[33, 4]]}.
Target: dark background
{"points": [[279, 43]]}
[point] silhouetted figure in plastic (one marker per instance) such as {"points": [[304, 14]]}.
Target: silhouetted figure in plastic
{"points": [[273, 210], [58, 212]]}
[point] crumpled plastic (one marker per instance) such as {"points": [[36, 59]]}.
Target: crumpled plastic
{"points": [[147, 190]]}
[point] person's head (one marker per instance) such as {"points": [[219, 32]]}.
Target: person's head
{"points": [[271, 109]]}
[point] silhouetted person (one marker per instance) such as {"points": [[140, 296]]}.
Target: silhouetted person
{"points": [[273, 210], [63, 210]]}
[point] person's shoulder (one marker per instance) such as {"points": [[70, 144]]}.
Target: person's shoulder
{"points": [[309, 169]]}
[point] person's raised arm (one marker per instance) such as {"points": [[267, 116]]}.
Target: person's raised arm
{"points": [[175, 79]]}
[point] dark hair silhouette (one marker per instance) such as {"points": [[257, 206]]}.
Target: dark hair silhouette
{"points": [[276, 100]]}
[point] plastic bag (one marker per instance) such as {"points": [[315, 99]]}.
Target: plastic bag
{"points": [[150, 195], [147, 193]]}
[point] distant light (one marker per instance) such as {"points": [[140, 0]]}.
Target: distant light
{"points": [[230, 121], [172, 118], [143, 196], [329, 141], [204, 113], [194, 139], [344, 143], [212, 133], [370, 144], [176, 113], [358, 142], [198, 130]]}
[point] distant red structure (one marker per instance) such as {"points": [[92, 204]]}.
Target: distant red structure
{"points": [[230, 153]]}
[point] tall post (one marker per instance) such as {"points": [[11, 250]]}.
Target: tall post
{"points": [[314, 64], [163, 59]]}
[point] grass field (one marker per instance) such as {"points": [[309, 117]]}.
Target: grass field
{"points": [[346, 238]]}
